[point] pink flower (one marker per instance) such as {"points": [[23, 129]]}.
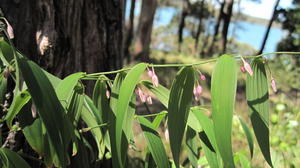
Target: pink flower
{"points": [[247, 67], [9, 30], [197, 92], [107, 94], [243, 69], [202, 77], [273, 84], [150, 72], [141, 95], [149, 100], [155, 80], [153, 76]]}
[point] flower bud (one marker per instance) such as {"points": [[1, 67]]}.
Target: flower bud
{"points": [[9, 30], [197, 92], [202, 77], [155, 80], [141, 95], [243, 69], [150, 72], [273, 85], [247, 67], [107, 94], [149, 100]]}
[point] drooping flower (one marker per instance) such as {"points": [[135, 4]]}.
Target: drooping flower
{"points": [[149, 100], [247, 67], [197, 91], [243, 69], [141, 95], [149, 72], [155, 80], [107, 94], [9, 30], [202, 77], [273, 84]]}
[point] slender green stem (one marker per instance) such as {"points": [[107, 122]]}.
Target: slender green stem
{"points": [[90, 128], [152, 115]]}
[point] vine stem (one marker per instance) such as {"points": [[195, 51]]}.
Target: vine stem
{"points": [[185, 65]]}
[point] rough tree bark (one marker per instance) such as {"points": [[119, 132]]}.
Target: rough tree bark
{"points": [[129, 33], [217, 27], [226, 18], [84, 35], [181, 25], [200, 25], [144, 30], [269, 28]]}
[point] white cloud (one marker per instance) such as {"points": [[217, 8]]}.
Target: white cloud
{"points": [[263, 9]]}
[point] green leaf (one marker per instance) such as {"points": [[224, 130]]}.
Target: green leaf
{"points": [[57, 124], [223, 90], [75, 105], [158, 118], [112, 118], [258, 104], [161, 93], [125, 95], [154, 142], [19, 101], [10, 159], [192, 149], [248, 136], [244, 162], [93, 119], [193, 122], [179, 105], [207, 136], [66, 87], [3, 88], [7, 53]]}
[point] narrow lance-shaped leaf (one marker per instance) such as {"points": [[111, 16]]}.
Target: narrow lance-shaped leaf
{"points": [[248, 136], [154, 142], [208, 139], [178, 107], [49, 108], [125, 94], [11, 159], [192, 148], [258, 104], [223, 90], [19, 101]]}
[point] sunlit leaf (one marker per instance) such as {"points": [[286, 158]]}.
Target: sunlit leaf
{"points": [[223, 90], [154, 142], [125, 95], [207, 136], [248, 136]]}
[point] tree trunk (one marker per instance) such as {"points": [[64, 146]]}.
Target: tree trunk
{"points": [[129, 33], [181, 25], [217, 27], [226, 17], [84, 35], [199, 29], [269, 28], [144, 30]]}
